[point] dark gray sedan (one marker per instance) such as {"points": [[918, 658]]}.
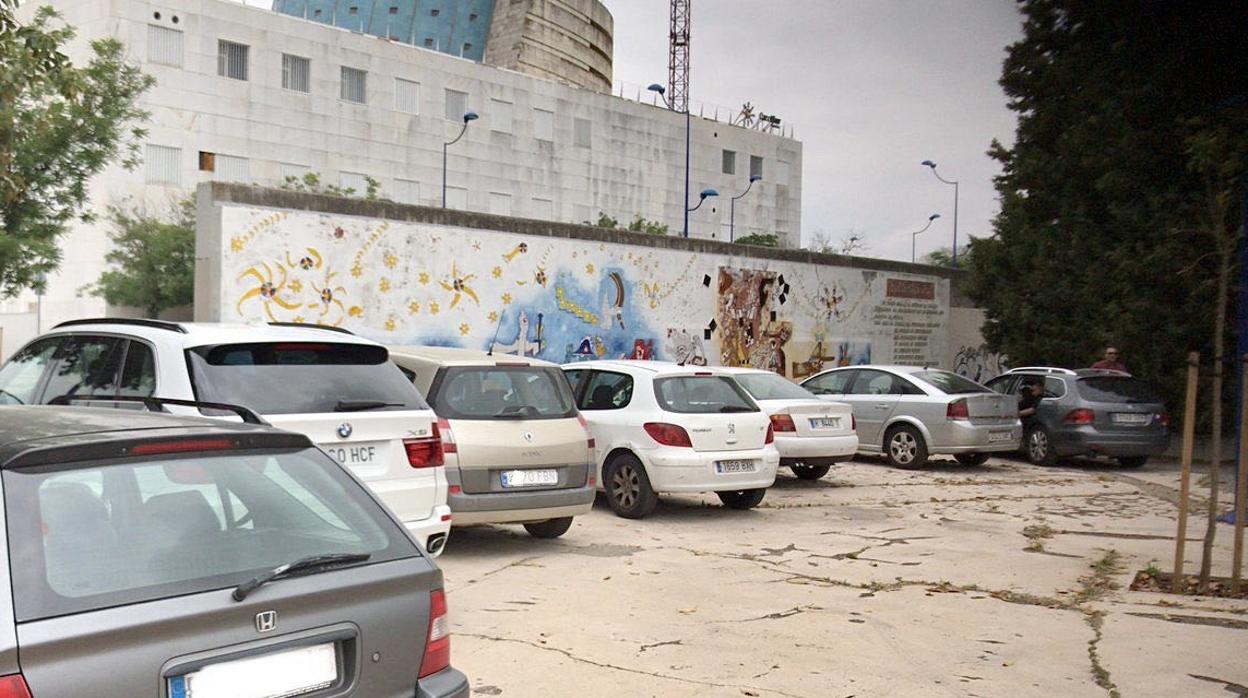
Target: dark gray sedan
{"points": [[1090, 412], [151, 555]]}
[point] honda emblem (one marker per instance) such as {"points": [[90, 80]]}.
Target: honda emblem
{"points": [[266, 621]]}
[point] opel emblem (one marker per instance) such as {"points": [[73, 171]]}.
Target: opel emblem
{"points": [[266, 621], [344, 430], [732, 428], [528, 436]]}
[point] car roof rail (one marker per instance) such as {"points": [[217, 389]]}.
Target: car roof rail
{"points": [[138, 322], [1042, 369], [157, 404], [1104, 372], [312, 326]]}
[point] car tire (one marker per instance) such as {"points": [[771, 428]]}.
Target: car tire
{"points": [[810, 472], [550, 528], [1039, 447], [904, 447], [742, 499], [1132, 461], [628, 488], [971, 459]]}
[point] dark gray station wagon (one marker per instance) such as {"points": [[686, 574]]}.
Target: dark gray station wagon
{"points": [[152, 555]]}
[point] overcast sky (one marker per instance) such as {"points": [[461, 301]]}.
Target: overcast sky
{"points": [[873, 87]]}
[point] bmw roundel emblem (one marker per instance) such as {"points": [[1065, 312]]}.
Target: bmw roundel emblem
{"points": [[344, 430]]}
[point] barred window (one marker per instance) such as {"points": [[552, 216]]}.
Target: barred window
{"points": [[296, 73], [232, 60], [354, 85], [406, 96], [164, 46]]}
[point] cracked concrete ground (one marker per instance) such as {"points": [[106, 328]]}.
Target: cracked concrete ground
{"points": [[1000, 580]]}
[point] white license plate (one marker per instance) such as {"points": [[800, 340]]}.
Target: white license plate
{"points": [[529, 478], [361, 454], [280, 674], [726, 467], [995, 437], [825, 422], [1131, 418]]}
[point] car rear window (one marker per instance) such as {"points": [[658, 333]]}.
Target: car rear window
{"points": [[502, 392], [301, 377], [769, 386], [702, 395], [1116, 389], [111, 533], [950, 383]]}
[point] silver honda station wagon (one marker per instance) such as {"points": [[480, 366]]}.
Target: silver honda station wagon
{"points": [[176, 557]]}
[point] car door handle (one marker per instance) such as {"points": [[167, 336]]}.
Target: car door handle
{"points": [[880, 407]]}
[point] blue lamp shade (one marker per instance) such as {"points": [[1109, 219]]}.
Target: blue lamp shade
{"points": [[755, 178], [471, 116], [928, 163], [708, 192], [656, 87]]}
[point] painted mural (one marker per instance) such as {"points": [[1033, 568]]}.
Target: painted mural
{"points": [[978, 363], [568, 300]]}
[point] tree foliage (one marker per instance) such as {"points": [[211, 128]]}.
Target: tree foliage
{"points": [[60, 125], [311, 183], [153, 259], [759, 240], [1112, 222], [943, 256], [639, 224]]}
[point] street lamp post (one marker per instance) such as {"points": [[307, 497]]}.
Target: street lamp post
{"points": [[468, 116], [929, 163], [914, 236], [702, 196], [662, 92], [732, 208]]}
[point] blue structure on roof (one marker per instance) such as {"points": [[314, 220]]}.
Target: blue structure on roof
{"points": [[457, 27]]}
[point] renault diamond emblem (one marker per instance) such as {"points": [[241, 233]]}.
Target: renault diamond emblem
{"points": [[344, 430], [528, 436], [266, 621]]}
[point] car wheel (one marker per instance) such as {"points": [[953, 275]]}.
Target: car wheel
{"points": [[905, 448], [971, 458], [742, 499], [1133, 461], [810, 472], [628, 488], [1040, 447], [551, 528]]}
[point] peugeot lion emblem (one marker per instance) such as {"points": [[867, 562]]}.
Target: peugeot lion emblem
{"points": [[266, 621], [528, 436], [344, 430]]}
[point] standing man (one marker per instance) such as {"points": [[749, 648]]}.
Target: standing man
{"points": [[1029, 398], [1111, 361]]}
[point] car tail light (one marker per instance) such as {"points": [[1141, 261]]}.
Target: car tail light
{"points": [[443, 429], [957, 410], [425, 452], [1163, 419], [668, 434], [181, 446], [13, 686], [438, 644], [771, 435], [589, 435], [1080, 416], [783, 422]]}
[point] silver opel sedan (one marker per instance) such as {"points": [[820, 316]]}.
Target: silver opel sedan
{"points": [[910, 412]]}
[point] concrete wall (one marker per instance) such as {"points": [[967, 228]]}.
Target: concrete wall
{"points": [[570, 41], [415, 275], [16, 329]]}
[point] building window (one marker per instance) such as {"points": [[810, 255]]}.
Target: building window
{"points": [[407, 191], [354, 85], [207, 161], [164, 46], [730, 162], [756, 166], [356, 182], [500, 116], [434, 13], [394, 10], [232, 60], [296, 73], [232, 169], [500, 203], [406, 96], [782, 173], [472, 16], [466, 49], [353, 10], [543, 209], [428, 43], [456, 105], [544, 125], [457, 198], [162, 165], [582, 133]]}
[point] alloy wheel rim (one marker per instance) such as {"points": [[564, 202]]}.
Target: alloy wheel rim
{"points": [[1039, 445], [626, 486], [903, 447]]}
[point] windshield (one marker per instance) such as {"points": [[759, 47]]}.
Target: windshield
{"points": [[111, 533], [950, 383], [507, 392], [300, 377], [702, 395], [769, 386], [1116, 389]]}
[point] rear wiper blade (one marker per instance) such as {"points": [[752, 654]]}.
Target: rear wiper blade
{"points": [[735, 408], [300, 565], [363, 405]]}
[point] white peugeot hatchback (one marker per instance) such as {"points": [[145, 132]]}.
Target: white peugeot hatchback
{"points": [[811, 434], [339, 390], [660, 427]]}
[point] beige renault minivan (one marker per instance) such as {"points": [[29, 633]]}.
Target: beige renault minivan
{"points": [[516, 449]]}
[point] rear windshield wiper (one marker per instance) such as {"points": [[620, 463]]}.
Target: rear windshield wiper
{"points": [[363, 405], [735, 408], [300, 565]]}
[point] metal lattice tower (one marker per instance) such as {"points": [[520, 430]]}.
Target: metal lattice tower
{"points": [[678, 59]]}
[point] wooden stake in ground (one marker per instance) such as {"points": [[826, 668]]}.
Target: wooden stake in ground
{"points": [[1215, 464], [1241, 483], [1185, 481]]}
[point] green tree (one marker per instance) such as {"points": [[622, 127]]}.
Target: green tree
{"points": [[943, 257], [60, 125], [1105, 233], [311, 183], [153, 259], [759, 240], [643, 225]]}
